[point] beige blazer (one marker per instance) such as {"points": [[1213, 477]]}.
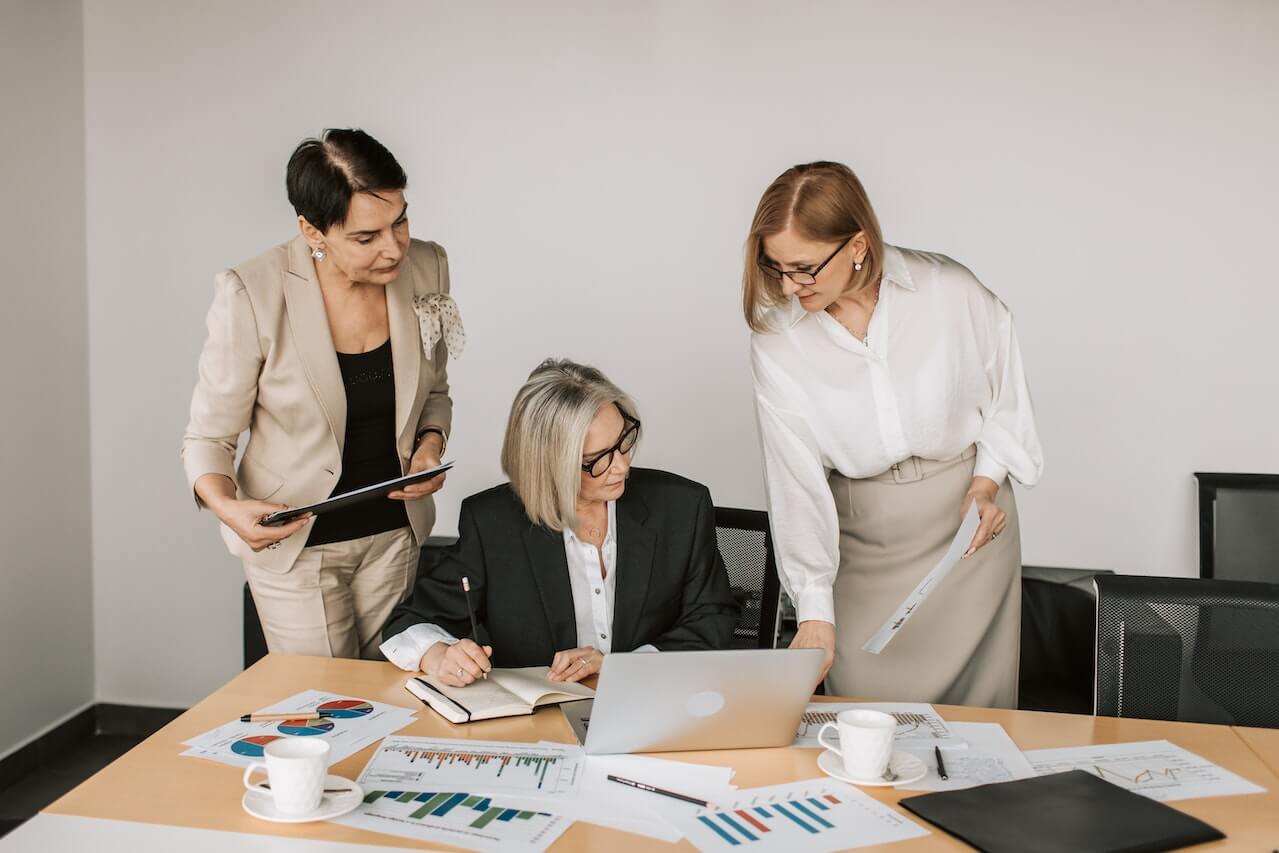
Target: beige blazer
{"points": [[269, 366]]}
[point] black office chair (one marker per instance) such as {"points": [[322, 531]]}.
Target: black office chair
{"points": [[1204, 651], [746, 544], [1058, 633]]}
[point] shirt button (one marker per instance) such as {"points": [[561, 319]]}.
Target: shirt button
{"points": [[597, 590], [603, 636]]}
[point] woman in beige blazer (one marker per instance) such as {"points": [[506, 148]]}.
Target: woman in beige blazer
{"points": [[331, 350]]}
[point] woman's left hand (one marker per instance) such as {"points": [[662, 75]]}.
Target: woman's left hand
{"points": [[993, 519], [425, 457], [576, 664]]}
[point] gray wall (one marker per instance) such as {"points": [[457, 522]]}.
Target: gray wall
{"points": [[46, 591], [1108, 169]]}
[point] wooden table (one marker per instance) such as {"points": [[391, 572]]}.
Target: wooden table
{"points": [[152, 784], [1264, 742]]}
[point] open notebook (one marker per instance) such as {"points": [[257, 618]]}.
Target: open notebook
{"points": [[505, 693]]}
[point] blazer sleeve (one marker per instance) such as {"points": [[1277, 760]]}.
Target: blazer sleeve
{"points": [[437, 411], [226, 388], [437, 597], [707, 610]]}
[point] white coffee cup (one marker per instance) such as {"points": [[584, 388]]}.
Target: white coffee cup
{"points": [[296, 768], [865, 742]]}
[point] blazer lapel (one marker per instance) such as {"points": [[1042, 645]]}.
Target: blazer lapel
{"points": [[406, 348], [310, 326], [636, 545], [550, 572]]}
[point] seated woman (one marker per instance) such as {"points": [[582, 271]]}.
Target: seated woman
{"points": [[579, 555]]}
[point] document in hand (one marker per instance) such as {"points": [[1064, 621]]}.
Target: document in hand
{"points": [[1072, 812], [505, 693]]}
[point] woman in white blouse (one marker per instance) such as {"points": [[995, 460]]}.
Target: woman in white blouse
{"points": [[578, 556], [891, 397]]}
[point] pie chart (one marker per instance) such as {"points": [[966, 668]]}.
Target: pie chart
{"points": [[305, 727], [252, 746], [345, 708]]}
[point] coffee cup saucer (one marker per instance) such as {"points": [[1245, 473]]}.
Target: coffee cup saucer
{"points": [[909, 768], [260, 804]]}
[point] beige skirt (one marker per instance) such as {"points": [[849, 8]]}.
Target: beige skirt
{"points": [[962, 645]]}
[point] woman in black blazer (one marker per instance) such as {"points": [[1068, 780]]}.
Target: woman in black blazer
{"points": [[579, 555]]}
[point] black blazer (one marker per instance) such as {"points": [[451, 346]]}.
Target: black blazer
{"points": [[671, 589]]}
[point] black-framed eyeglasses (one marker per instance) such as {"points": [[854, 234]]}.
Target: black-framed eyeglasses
{"points": [[599, 464], [803, 278]]}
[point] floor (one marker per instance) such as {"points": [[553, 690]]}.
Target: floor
{"points": [[29, 795]]}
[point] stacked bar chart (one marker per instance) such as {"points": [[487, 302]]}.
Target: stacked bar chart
{"points": [[494, 767], [538, 764]]}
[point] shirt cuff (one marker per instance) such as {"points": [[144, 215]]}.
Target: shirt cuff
{"points": [[816, 601], [988, 466], [648, 647], [406, 648]]}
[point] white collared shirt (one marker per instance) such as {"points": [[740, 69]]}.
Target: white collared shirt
{"points": [[592, 602], [941, 370]]}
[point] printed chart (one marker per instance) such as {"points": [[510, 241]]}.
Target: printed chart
{"points": [[494, 767], [1156, 769], [918, 724], [815, 815]]}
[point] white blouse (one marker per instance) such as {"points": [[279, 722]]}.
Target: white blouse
{"points": [[941, 370]]}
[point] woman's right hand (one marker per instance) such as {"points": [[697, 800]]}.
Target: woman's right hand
{"points": [[243, 516], [816, 634], [457, 664]]}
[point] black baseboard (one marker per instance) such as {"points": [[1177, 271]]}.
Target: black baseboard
{"points": [[98, 719]]}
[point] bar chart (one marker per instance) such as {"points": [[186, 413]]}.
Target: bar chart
{"points": [[440, 804], [493, 767], [816, 815]]}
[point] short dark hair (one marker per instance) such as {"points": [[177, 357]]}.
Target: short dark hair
{"points": [[325, 172]]}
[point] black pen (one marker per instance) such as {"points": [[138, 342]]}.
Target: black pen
{"points": [[475, 628], [941, 765], [652, 789]]}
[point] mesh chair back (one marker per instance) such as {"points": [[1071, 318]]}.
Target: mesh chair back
{"points": [[747, 547], [1190, 649]]}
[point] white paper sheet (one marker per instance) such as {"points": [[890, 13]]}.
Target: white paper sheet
{"points": [[542, 770], [355, 724], [465, 823], [918, 723], [881, 638], [814, 815], [990, 756], [1155, 768]]}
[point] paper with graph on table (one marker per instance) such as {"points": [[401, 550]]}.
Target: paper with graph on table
{"points": [[989, 755], [963, 538], [1157, 769], [918, 723]]}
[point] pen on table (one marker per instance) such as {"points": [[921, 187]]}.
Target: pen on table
{"points": [[631, 783], [275, 718], [475, 628], [941, 765]]}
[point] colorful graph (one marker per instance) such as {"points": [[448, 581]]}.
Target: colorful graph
{"points": [[305, 727], [539, 764], [345, 708], [252, 746], [440, 804], [743, 825]]}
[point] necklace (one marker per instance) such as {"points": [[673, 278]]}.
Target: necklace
{"points": [[864, 337]]}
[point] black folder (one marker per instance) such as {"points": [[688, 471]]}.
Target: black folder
{"points": [[1071, 812]]}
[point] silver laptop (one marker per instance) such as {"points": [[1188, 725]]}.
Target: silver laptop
{"points": [[668, 701]]}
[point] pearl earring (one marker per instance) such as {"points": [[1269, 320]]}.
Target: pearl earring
{"points": [[857, 266], [318, 254]]}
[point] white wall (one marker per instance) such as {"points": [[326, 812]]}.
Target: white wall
{"points": [[592, 169], [46, 595]]}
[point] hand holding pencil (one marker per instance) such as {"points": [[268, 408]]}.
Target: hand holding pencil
{"points": [[463, 662]]}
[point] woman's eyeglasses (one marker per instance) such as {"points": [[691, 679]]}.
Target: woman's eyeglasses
{"points": [[599, 464], [804, 278]]}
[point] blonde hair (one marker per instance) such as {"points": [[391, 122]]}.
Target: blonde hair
{"points": [[545, 434], [823, 202]]}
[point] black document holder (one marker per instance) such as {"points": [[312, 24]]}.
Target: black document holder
{"points": [[1071, 812]]}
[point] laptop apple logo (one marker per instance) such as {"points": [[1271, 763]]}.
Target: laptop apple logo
{"points": [[704, 704]]}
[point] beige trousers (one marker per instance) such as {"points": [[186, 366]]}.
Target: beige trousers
{"points": [[962, 645], [335, 599]]}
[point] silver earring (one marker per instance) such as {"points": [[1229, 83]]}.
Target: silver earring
{"points": [[318, 254]]}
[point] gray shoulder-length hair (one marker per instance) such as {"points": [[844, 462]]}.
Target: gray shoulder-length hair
{"points": [[545, 434]]}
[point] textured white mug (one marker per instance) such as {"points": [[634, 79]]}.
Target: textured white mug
{"points": [[296, 768], [865, 742]]}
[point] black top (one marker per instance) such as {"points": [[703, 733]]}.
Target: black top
{"points": [[368, 453], [672, 589]]}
